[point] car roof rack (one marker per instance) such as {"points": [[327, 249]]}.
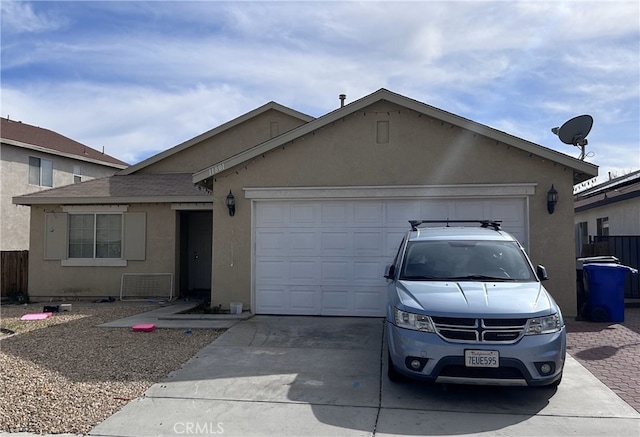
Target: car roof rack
{"points": [[495, 224]]}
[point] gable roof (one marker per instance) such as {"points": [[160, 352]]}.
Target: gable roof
{"points": [[215, 131], [581, 170], [138, 188], [19, 134]]}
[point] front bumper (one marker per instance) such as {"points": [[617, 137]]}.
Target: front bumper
{"points": [[520, 363]]}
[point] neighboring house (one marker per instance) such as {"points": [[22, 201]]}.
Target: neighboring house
{"points": [[607, 222], [609, 208], [320, 207], [34, 159]]}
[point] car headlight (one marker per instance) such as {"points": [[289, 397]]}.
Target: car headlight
{"points": [[417, 322], [543, 325]]}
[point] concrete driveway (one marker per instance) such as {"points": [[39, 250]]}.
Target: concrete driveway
{"points": [[321, 376]]}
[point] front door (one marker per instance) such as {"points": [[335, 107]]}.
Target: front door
{"points": [[195, 253]]}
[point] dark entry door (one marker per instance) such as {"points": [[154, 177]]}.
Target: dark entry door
{"points": [[195, 256]]}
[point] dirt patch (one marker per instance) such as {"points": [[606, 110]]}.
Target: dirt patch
{"points": [[65, 374]]}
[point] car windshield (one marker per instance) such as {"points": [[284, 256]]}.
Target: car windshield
{"points": [[466, 261]]}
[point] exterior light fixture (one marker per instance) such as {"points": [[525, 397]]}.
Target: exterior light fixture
{"points": [[231, 203], [552, 199]]}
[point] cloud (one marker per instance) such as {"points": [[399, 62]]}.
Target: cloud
{"points": [[140, 77], [130, 123], [19, 17]]}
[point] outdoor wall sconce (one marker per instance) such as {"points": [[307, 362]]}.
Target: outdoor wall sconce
{"points": [[231, 203], [552, 199]]}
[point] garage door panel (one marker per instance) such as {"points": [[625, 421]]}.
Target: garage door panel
{"points": [[335, 299], [328, 257], [274, 214], [303, 243], [369, 301], [368, 242], [272, 270], [337, 214], [303, 272], [303, 214], [336, 271], [392, 243], [367, 273], [513, 218], [272, 242], [468, 210], [335, 243], [434, 210], [368, 214], [398, 213], [304, 300], [272, 299]]}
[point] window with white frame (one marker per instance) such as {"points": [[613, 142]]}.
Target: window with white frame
{"points": [[77, 174], [95, 235], [40, 172]]}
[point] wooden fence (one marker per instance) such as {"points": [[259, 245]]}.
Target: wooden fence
{"points": [[14, 274]]}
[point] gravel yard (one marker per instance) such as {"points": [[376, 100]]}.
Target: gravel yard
{"points": [[65, 374]]}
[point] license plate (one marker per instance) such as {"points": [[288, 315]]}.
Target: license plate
{"points": [[475, 358]]}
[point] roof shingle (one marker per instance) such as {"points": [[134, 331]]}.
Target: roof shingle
{"points": [[145, 188], [37, 136]]}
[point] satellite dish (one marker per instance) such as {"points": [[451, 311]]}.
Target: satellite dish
{"points": [[575, 132]]}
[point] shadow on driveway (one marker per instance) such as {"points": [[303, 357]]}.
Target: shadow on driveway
{"points": [[324, 376]]}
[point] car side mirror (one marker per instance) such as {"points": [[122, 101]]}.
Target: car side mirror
{"points": [[542, 273], [390, 271]]}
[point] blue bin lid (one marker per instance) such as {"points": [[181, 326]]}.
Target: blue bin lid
{"points": [[605, 266], [599, 259]]}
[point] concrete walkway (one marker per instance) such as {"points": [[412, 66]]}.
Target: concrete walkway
{"points": [[313, 376], [171, 316]]}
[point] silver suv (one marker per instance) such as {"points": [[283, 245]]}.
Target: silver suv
{"points": [[466, 306]]}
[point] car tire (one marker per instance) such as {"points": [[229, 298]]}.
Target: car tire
{"points": [[392, 372]]}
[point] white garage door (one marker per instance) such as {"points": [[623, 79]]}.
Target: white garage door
{"points": [[327, 257]]}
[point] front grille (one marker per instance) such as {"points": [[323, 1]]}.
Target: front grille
{"points": [[468, 330]]}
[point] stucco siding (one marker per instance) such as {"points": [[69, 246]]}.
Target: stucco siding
{"points": [[14, 181], [624, 217], [227, 143], [50, 279], [419, 151]]}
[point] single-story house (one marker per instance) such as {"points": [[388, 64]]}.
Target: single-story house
{"points": [[291, 214]]}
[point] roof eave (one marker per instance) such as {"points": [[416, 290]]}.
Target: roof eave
{"points": [[63, 154], [28, 201]]}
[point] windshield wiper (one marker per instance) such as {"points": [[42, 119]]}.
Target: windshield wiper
{"points": [[419, 278], [480, 278]]}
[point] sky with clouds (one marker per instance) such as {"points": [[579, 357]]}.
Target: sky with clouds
{"points": [[137, 78]]}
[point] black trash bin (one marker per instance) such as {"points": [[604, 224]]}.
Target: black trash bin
{"points": [[604, 291]]}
